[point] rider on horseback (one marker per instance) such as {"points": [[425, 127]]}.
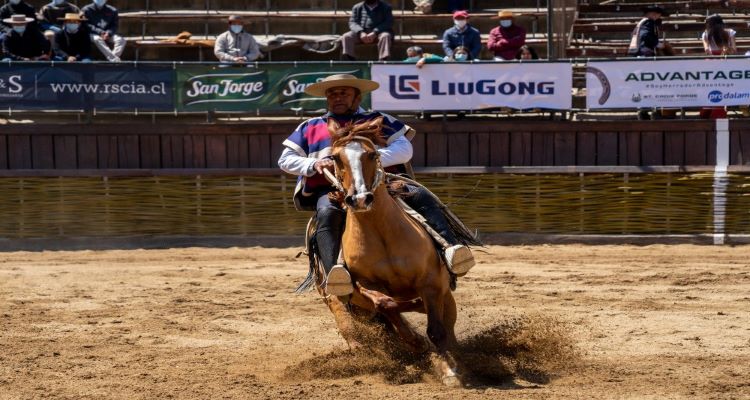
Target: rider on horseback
{"points": [[306, 154]]}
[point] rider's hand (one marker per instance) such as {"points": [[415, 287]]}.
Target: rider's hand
{"points": [[325, 163]]}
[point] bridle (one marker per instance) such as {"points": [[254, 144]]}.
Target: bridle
{"points": [[335, 178]]}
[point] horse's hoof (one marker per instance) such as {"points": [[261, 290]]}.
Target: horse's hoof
{"points": [[451, 381]]}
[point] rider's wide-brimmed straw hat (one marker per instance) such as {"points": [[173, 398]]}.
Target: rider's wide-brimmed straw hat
{"points": [[318, 89], [18, 19], [72, 17]]}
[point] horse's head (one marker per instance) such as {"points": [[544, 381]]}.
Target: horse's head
{"points": [[358, 161]]}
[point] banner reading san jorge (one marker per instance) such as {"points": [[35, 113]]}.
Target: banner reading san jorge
{"points": [[668, 83], [267, 88]]}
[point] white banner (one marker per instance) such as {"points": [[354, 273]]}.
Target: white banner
{"points": [[446, 87], [668, 83]]}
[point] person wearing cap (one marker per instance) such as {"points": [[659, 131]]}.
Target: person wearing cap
{"points": [[51, 14], [16, 7], [103, 21], [718, 40], [371, 21], [306, 154], [507, 38], [73, 43], [24, 43], [461, 34], [644, 40], [235, 46]]}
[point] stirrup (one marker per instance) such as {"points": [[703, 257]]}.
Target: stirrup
{"points": [[459, 259], [339, 282]]}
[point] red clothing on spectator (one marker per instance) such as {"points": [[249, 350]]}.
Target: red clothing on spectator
{"points": [[505, 42]]}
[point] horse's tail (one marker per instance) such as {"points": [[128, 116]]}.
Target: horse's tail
{"points": [[462, 233]]}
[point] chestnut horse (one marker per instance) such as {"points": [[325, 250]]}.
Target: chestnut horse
{"points": [[393, 262]]}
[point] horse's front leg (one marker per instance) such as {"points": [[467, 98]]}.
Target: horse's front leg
{"points": [[344, 321], [440, 320]]}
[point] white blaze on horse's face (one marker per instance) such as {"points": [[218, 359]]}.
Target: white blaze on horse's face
{"points": [[359, 197]]}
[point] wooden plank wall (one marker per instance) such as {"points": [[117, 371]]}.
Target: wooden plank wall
{"points": [[438, 144]]}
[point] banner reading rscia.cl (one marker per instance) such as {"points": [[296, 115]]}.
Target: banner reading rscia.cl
{"points": [[266, 88], [463, 86], [668, 83]]}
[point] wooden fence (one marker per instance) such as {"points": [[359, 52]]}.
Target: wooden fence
{"points": [[253, 147]]}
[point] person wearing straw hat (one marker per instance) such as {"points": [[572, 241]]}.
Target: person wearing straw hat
{"points": [[461, 34], [24, 43], [103, 21], [73, 43], [15, 7], [236, 46], [306, 154], [507, 38]]}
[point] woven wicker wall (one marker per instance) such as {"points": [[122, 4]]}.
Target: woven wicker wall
{"points": [[590, 204]]}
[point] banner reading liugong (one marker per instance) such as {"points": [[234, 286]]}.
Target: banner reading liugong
{"points": [[472, 86], [668, 83]]}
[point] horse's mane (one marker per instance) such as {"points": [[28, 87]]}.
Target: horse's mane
{"points": [[372, 130]]}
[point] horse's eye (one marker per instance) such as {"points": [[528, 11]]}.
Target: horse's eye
{"points": [[335, 157], [372, 155]]}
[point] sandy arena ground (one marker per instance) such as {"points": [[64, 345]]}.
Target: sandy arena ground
{"points": [[596, 322]]}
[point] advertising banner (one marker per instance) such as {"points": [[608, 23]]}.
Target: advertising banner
{"points": [[273, 87], [472, 86], [668, 83], [86, 86]]}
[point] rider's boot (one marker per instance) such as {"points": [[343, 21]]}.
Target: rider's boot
{"points": [[457, 256], [337, 282]]}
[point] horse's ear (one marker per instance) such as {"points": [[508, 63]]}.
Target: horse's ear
{"points": [[334, 128]]}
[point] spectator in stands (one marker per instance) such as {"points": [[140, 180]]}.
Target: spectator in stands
{"points": [[25, 42], [102, 21], [416, 54], [505, 40], [460, 54], [644, 40], [461, 34], [526, 53], [51, 14], [16, 7], [371, 21], [73, 43], [717, 39], [235, 46]]}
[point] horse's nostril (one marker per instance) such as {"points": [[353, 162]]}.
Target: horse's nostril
{"points": [[349, 200], [369, 198]]}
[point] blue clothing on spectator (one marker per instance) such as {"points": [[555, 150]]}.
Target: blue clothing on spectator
{"points": [[365, 19], [101, 19], [469, 37]]}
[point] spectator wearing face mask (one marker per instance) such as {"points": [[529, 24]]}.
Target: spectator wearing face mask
{"points": [[24, 43], [102, 21], [73, 43], [461, 34], [506, 39], [461, 54], [235, 46], [16, 7], [50, 15]]}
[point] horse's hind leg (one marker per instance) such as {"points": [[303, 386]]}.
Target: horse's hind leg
{"points": [[386, 306], [440, 332]]}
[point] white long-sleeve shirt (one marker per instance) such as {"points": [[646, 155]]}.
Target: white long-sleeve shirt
{"points": [[397, 152]]}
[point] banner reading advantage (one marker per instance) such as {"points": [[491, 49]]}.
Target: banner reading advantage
{"points": [[668, 83]]}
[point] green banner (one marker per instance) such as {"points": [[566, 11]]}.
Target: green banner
{"points": [[266, 88]]}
